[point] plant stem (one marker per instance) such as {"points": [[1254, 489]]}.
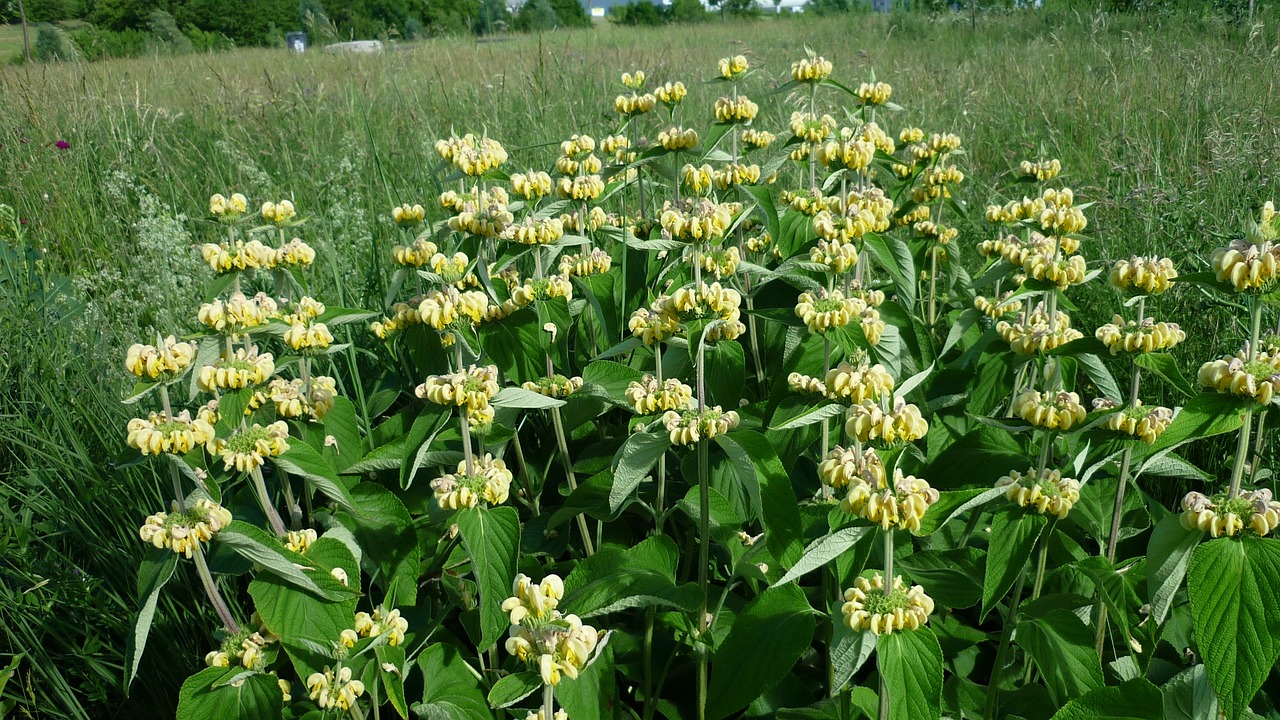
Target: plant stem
{"points": [[179, 497], [660, 505], [1035, 589], [888, 583], [273, 517], [704, 560], [993, 687], [219, 605], [464, 422], [826, 425], [933, 286], [648, 661], [1242, 446], [587, 545], [295, 510], [548, 702]]}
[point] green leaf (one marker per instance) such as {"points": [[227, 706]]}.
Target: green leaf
{"points": [[207, 695], [342, 316], [514, 397], [1166, 367], [492, 539], [894, 254], [1168, 553], [849, 652], [1137, 699], [393, 680], [513, 688], [1234, 585], [780, 512], [951, 503], [911, 664], [823, 551], [593, 694], [303, 621], [632, 464], [1013, 535], [726, 373], [611, 378], [953, 577], [384, 529], [1099, 375], [1205, 415], [1062, 647], [744, 470], [766, 640], [1189, 696], [156, 570], [256, 546], [385, 457], [301, 459], [418, 443], [451, 690], [810, 415], [341, 424], [640, 576]]}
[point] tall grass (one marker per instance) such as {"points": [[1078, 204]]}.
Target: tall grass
{"points": [[1168, 128]]}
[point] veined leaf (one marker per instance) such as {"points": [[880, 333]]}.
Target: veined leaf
{"points": [[451, 689], [823, 551], [513, 688], [514, 397], [1062, 647], [256, 546], [911, 664], [1013, 535], [632, 464], [811, 416], [1166, 367], [1134, 700], [156, 570], [766, 639], [208, 695], [1168, 554], [492, 539], [301, 459]]}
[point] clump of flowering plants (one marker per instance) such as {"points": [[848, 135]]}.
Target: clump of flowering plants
{"points": [[701, 418]]}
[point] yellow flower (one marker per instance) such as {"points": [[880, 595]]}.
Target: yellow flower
{"points": [[999, 307], [721, 262], [1047, 493], [678, 138], [334, 691], [847, 467], [648, 396], [737, 109], [1058, 215], [1143, 275], [827, 309], [811, 70], [1050, 410], [758, 139], [299, 541], [531, 185], [736, 174], [531, 601], [1040, 171], [239, 256], [280, 213], [1052, 267], [1149, 336], [295, 252], [1258, 379], [857, 384], [1035, 334], [582, 187], [183, 532], [245, 368], [160, 363], [556, 386], [689, 426], [249, 447], [238, 314], [732, 67], [228, 209], [308, 338], [903, 423], [415, 255], [805, 384], [594, 262], [472, 389], [1248, 266], [634, 104], [810, 128], [839, 256], [869, 605], [440, 309], [874, 93], [159, 434], [901, 504], [697, 221], [489, 482], [1224, 515], [535, 232], [653, 326], [1144, 423], [408, 215], [671, 93], [473, 155]]}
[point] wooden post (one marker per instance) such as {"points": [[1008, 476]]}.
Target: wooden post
{"points": [[26, 43]]}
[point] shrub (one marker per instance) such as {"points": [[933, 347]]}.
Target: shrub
{"points": [[535, 16], [52, 44], [165, 29], [639, 12]]}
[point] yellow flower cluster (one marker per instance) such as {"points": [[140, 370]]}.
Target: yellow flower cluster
{"points": [[1050, 410], [593, 262], [594, 220], [440, 309], [1015, 211], [556, 386], [677, 138], [1048, 493], [759, 139], [635, 80], [810, 128], [584, 165], [531, 185], [998, 307], [634, 104], [245, 368], [874, 93], [1052, 267], [308, 338], [648, 396], [850, 217], [826, 309], [1267, 227], [183, 532], [1258, 379], [737, 174], [901, 504], [472, 389], [1040, 171], [334, 691], [582, 187], [281, 213], [702, 302], [902, 423], [856, 384], [415, 255], [403, 315], [379, 623], [1248, 266], [300, 541], [811, 70], [245, 646], [557, 645], [238, 314], [489, 481], [160, 363], [738, 109], [721, 262], [840, 257], [847, 467], [938, 233], [238, 256], [850, 153], [249, 447], [732, 67], [1149, 336], [687, 427], [408, 215], [552, 286], [671, 93], [617, 146], [1139, 421], [1143, 275], [1224, 515], [1036, 334], [805, 384], [290, 399], [228, 209], [869, 605], [1059, 215], [158, 433], [533, 231], [295, 252], [473, 155]]}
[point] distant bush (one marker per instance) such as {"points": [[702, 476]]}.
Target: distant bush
{"points": [[570, 13], [96, 43], [165, 30], [52, 44], [535, 16], [203, 41], [640, 12]]}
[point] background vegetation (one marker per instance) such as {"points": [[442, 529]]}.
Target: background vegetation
{"points": [[1164, 120]]}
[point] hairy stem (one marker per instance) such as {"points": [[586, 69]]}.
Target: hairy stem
{"points": [[1002, 651], [219, 605], [260, 486], [561, 441], [704, 560]]}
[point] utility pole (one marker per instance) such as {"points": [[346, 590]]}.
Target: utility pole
{"points": [[26, 43]]}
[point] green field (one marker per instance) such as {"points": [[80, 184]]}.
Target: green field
{"points": [[1168, 129]]}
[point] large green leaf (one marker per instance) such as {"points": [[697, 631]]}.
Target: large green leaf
{"points": [[632, 464], [609, 380], [514, 397], [1234, 586], [156, 570], [391, 670], [1166, 367], [726, 373], [232, 693], [767, 638], [1062, 647], [824, 550], [256, 546], [1205, 415], [451, 690], [418, 442], [780, 512], [1013, 535], [744, 470], [1134, 700], [911, 664], [340, 423], [492, 539], [1168, 554], [384, 530], [594, 693], [641, 576], [952, 503], [513, 688], [1189, 696], [301, 459]]}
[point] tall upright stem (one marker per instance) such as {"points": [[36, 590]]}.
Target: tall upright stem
{"points": [[826, 425], [464, 422], [660, 505], [548, 702], [563, 444], [219, 605], [1011, 617], [1242, 446], [888, 583], [264, 497], [704, 560]]}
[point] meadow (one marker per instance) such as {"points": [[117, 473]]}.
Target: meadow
{"points": [[1166, 127]]}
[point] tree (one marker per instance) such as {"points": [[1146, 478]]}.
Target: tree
{"points": [[571, 13], [536, 16]]}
